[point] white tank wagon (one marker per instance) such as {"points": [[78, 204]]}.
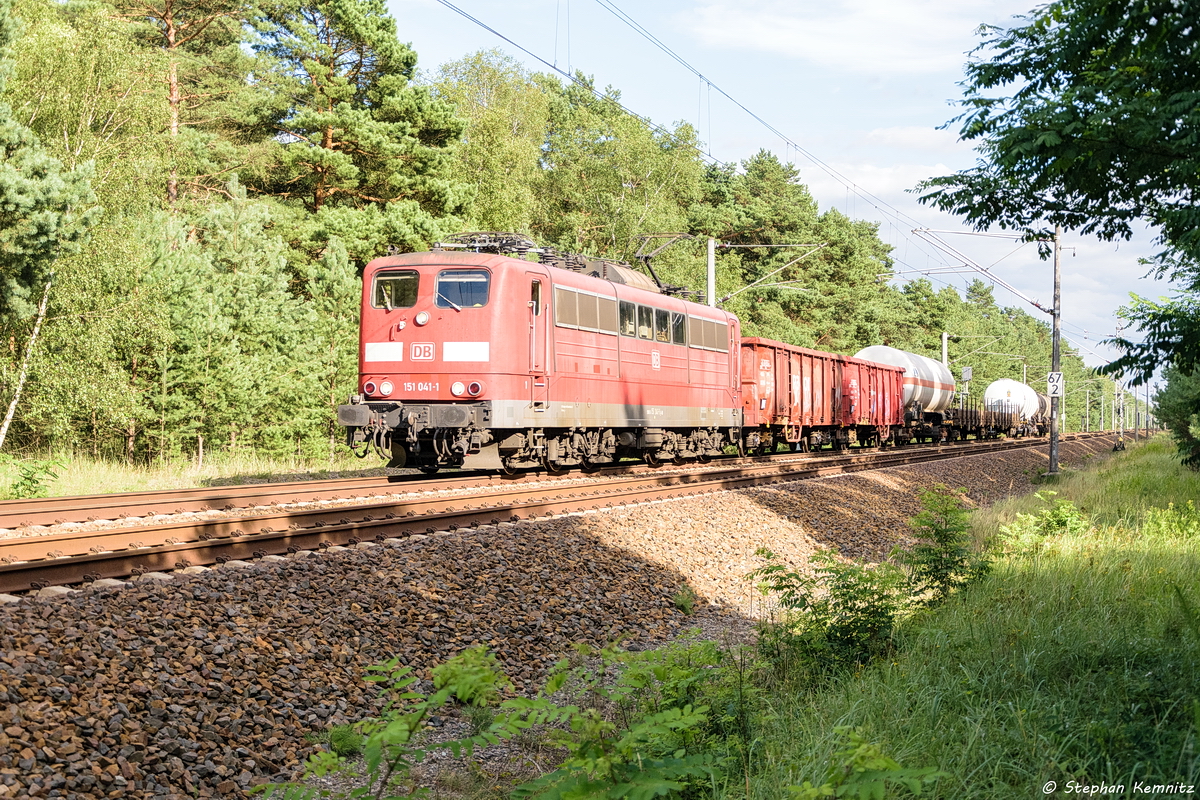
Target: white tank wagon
{"points": [[927, 383], [1017, 396]]}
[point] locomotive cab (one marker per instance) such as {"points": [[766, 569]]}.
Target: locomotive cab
{"points": [[428, 363], [484, 361]]}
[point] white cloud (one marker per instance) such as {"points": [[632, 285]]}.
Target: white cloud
{"points": [[913, 137], [888, 182], [906, 36]]}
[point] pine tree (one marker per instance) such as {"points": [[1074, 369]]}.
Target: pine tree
{"points": [[209, 98], [45, 210], [240, 369], [363, 149]]}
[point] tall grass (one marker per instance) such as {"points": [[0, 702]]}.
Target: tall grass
{"points": [[83, 475], [1077, 659]]}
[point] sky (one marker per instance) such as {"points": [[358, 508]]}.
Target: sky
{"points": [[859, 89]]}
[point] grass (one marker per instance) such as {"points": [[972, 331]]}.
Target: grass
{"points": [[83, 475], [1077, 659]]}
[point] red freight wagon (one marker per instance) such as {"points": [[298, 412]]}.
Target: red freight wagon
{"points": [[488, 361], [808, 397]]}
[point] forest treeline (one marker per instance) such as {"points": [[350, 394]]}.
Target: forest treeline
{"points": [[224, 171]]}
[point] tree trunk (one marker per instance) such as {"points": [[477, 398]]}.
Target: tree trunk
{"points": [[37, 326], [173, 109], [130, 441]]}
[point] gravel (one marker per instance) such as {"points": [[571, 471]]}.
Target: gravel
{"points": [[207, 685]]}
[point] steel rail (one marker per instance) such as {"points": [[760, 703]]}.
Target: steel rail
{"points": [[33, 562], [48, 511], [17, 514]]}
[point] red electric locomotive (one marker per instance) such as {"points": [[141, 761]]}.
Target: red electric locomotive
{"points": [[488, 361]]}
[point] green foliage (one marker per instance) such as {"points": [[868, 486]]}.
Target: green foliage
{"points": [[1081, 665], [475, 674], [685, 599], [608, 177], [392, 743], [941, 560], [841, 614], [673, 719], [345, 741], [1099, 132], [1177, 406], [364, 151], [861, 771], [1028, 533], [1174, 520], [507, 114], [604, 762], [45, 209], [239, 365], [231, 322], [32, 477], [647, 757], [1168, 335]]}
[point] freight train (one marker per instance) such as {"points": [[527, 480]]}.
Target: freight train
{"points": [[475, 356]]}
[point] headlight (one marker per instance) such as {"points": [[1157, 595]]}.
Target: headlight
{"points": [[421, 318], [369, 387], [457, 389], [475, 388], [386, 387]]}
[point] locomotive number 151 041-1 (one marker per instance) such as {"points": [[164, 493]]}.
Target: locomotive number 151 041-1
{"points": [[421, 386]]}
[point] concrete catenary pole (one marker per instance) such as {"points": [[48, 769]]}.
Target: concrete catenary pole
{"points": [[712, 272], [1147, 410], [1055, 356]]}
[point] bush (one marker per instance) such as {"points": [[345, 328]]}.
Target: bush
{"points": [[941, 561], [710, 686], [345, 741], [841, 614], [32, 478], [1027, 534], [685, 599], [860, 770]]}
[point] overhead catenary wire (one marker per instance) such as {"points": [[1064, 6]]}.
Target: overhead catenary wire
{"points": [[575, 80], [877, 203]]}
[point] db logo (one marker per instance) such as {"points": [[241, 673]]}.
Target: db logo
{"points": [[422, 351]]}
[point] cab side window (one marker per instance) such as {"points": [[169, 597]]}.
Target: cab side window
{"points": [[395, 288], [678, 328]]}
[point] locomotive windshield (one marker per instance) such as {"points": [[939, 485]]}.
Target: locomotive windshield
{"points": [[462, 288], [395, 289]]}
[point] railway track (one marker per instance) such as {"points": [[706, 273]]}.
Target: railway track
{"points": [[31, 563]]}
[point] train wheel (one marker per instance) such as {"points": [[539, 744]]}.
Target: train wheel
{"points": [[651, 459], [429, 469]]}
